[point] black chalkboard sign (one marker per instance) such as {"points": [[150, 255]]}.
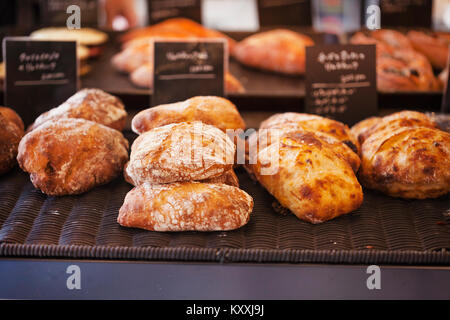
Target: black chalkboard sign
{"points": [[160, 10], [406, 13], [40, 75], [341, 82], [188, 68], [284, 12], [54, 12]]}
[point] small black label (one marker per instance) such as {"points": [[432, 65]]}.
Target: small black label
{"points": [[406, 13], [188, 68], [341, 82], [160, 10], [40, 75]]}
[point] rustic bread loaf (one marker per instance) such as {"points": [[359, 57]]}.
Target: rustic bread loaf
{"points": [[90, 104], [71, 156], [185, 206], [11, 131], [215, 111], [186, 151]]}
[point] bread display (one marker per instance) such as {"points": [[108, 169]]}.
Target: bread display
{"points": [[399, 67], [90, 104], [71, 156], [432, 45], [186, 151], [333, 128], [186, 206], [11, 131], [405, 155], [277, 50], [211, 110], [305, 174]]}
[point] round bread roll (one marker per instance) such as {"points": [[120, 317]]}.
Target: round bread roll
{"points": [[187, 151], [433, 46], [71, 156], [89, 104], [359, 130], [11, 131], [186, 206], [84, 36], [306, 176], [407, 162], [311, 122], [211, 110]]}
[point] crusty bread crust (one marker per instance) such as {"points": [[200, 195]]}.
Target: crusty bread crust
{"points": [[11, 131], [185, 206], [89, 104], [186, 151], [211, 110], [71, 156]]}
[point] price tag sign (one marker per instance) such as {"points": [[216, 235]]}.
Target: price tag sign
{"points": [[160, 10], [406, 13], [230, 15], [40, 75], [341, 82], [184, 69]]}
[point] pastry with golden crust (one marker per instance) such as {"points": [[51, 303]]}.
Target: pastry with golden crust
{"points": [[211, 110], [278, 50], [11, 131], [303, 172], [433, 45], [89, 104], [186, 206], [72, 156]]}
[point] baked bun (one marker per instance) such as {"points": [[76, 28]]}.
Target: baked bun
{"points": [[277, 50], [211, 110], [11, 131], [407, 162], [406, 118], [83, 36], [71, 156], [433, 46], [186, 151], [306, 176], [89, 104], [186, 206], [334, 128]]}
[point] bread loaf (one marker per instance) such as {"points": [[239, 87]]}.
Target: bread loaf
{"points": [[71, 156], [11, 131], [89, 104], [186, 206]]}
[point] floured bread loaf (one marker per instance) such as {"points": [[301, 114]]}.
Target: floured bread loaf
{"points": [[90, 104], [185, 206], [211, 110], [71, 156], [186, 151]]}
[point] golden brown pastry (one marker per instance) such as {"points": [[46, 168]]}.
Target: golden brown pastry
{"points": [[399, 66], [433, 45], [263, 138], [277, 50], [331, 127], [186, 151], [186, 206], [306, 176], [90, 104], [211, 110], [407, 162], [406, 118], [71, 156], [11, 131]]}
